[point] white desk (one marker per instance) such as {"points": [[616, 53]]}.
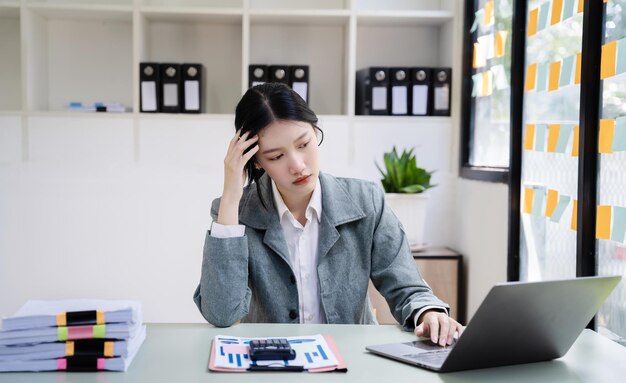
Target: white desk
{"points": [[179, 353]]}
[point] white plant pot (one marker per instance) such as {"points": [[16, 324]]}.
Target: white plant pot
{"points": [[411, 211]]}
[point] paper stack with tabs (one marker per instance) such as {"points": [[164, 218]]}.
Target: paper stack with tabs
{"points": [[72, 335]]}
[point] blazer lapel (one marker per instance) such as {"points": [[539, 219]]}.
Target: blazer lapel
{"points": [[275, 240], [257, 216], [337, 209]]}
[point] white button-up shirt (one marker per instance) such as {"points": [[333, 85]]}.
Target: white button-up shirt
{"points": [[302, 243]]}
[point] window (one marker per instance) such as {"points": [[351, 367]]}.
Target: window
{"points": [[487, 90], [551, 109]]}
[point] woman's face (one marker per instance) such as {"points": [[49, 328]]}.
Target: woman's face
{"points": [[288, 152]]}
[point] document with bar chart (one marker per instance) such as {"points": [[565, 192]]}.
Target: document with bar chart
{"points": [[311, 352]]}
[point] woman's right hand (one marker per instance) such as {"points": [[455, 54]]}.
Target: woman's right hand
{"points": [[234, 176]]}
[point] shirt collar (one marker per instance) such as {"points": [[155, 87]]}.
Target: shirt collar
{"points": [[315, 204]]}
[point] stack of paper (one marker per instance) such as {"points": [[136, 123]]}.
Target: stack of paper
{"points": [[72, 335]]}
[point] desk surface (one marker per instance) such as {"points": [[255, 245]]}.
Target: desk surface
{"points": [[179, 353]]}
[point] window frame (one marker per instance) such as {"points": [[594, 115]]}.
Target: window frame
{"points": [[467, 171]]}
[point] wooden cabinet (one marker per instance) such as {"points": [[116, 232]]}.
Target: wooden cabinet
{"points": [[442, 269]]}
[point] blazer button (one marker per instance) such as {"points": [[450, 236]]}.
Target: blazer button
{"points": [[293, 279], [293, 314]]}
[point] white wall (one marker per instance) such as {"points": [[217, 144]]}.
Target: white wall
{"points": [[480, 234]]}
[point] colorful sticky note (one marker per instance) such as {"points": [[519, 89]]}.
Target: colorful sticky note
{"points": [[619, 224], [557, 9], [485, 46], [555, 73], [479, 57], [488, 20], [528, 200], [477, 16], [544, 11], [605, 142], [542, 76], [500, 80], [619, 137], [500, 43], [568, 9], [551, 202], [603, 222], [566, 71], [575, 142], [532, 21], [609, 54], [539, 196], [487, 87], [487, 42], [560, 208], [565, 132], [553, 136], [579, 62], [531, 77], [540, 137], [620, 65], [581, 6], [529, 137], [574, 224], [476, 84]]}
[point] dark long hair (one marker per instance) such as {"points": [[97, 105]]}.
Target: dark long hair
{"points": [[263, 104]]}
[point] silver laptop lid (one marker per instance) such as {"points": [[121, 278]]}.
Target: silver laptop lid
{"points": [[518, 322], [524, 322]]}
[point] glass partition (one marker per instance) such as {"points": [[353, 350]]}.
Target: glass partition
{"points": [[549, 178], [611, 210]]}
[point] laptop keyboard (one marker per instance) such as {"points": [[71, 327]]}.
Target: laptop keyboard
{"points": [[432, 357], [435, 357]]}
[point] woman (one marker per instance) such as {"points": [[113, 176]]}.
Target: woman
{"points": [[299, 246]]}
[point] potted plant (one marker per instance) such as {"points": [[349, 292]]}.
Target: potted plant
{"points": [[404, 183]]}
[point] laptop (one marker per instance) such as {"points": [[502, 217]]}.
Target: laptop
{"points": [[518, 322]]}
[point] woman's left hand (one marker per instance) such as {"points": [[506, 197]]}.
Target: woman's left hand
{"points": [[439, 327]]}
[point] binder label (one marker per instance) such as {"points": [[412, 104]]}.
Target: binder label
{"points": [[442, 97], [300, 88], [170, 94], [399, 99], [148, 96], [379, 98], [192, 93], [420, 100]]}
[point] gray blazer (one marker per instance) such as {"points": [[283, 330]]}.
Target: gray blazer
{"points": [[250, 279]]}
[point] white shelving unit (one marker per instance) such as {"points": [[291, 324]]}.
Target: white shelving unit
{"points": [[59, 51], [10, 59], [89, 50]]}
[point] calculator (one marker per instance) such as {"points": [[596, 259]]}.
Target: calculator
{"points": [[271, 349]]}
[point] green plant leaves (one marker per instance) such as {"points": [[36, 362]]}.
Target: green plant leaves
{"points": [[402, 175]]}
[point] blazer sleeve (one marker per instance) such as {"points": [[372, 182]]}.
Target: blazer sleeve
{"points": [[394, 273], [223, 295]]}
